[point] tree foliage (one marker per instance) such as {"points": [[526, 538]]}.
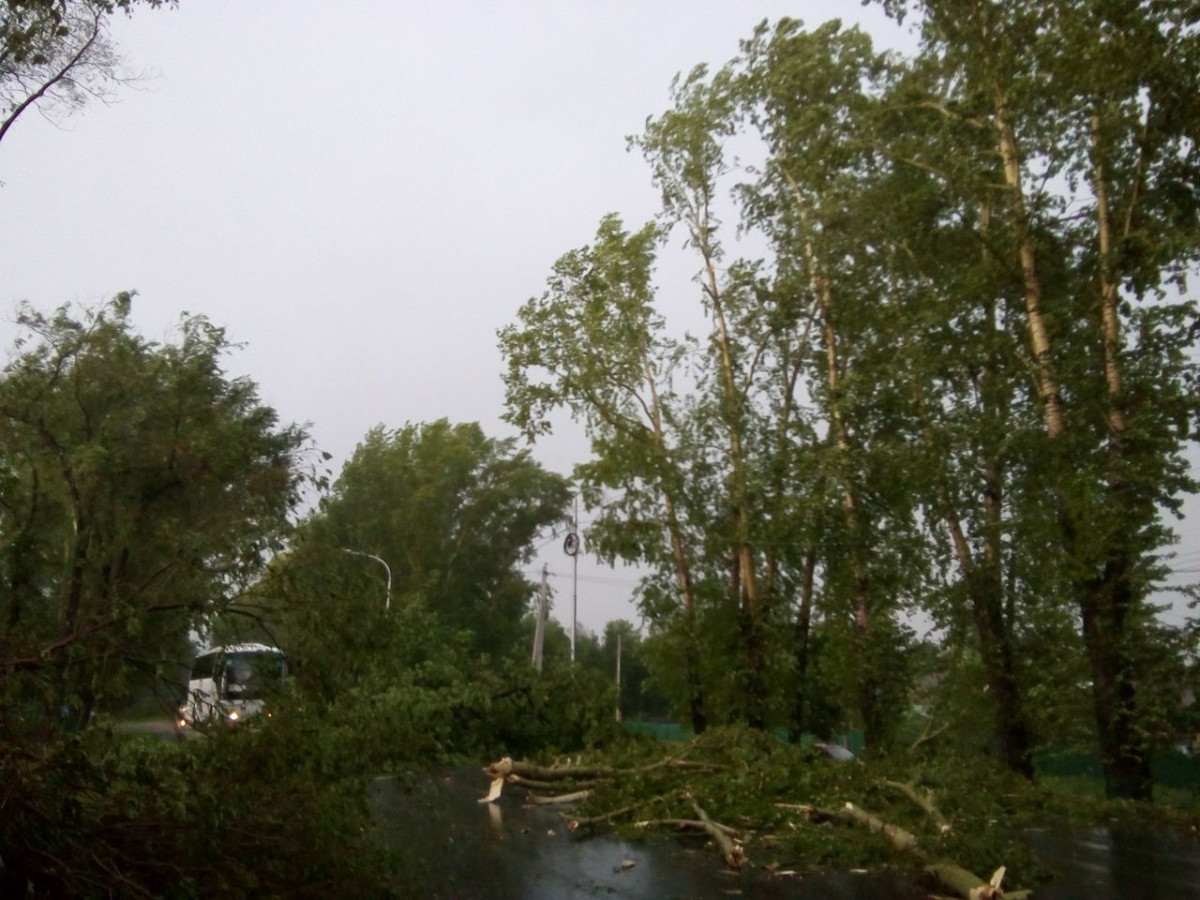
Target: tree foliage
{"points": [[451, 512], [1086, 166], [56, 56], [141, 490], [961, 379], [271, 813]]}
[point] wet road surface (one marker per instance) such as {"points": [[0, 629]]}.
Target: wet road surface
{"points": [[1126, 865], [509, 851]]}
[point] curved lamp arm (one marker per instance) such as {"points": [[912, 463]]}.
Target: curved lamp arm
{"points": [[382, 562]]}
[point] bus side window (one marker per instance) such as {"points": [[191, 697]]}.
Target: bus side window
{"points": [[204, 666]]}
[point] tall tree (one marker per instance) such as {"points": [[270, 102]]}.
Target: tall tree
{"points": [[936, 381], [141, 489], [961, 373], [747, 416], [813, 98], [595, 345], [1093, 120]]}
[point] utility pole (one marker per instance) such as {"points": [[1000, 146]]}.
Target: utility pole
{"points": [[618, 676], [575, 579], [571, 548], [539, 629]]}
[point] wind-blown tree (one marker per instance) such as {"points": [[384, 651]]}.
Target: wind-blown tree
{"points": [[901, 398], [974, 417], [141, 488], [740, 447], [451, 512], [752, 433], [1090, 109], [972, 425], [595, 345], [684, 149], [56, 56], [813, 100], [962, 375]]}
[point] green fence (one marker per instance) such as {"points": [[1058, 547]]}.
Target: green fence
{"points": [[663, 731], [1173, 770], [673, 731]]}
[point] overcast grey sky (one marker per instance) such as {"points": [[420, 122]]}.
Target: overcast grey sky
{"points": [[363, 192]]}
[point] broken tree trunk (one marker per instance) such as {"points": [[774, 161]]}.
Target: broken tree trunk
{"points": [[926, 801], [964, 883]]}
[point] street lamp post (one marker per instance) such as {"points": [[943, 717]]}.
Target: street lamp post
{"points": [[388, 604], [571, 548]]}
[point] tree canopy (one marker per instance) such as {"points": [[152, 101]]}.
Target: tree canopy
{"points": [[141, 490], [450, 512], [56, 56], [961, 380]]}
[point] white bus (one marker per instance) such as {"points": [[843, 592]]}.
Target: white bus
{"points": [[228, 684]]}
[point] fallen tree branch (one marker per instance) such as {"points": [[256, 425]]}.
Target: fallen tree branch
{"points": [[925, 801], [605, 818], [687, 823], [731, 851], [930, 733], [901, 839], [963, 882], [532, 785], [509, 768], [558, 799], [971, 886]]}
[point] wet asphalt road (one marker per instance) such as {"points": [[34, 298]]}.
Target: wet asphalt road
{"points": [[506, 850], [163, 728], [509, 851]]}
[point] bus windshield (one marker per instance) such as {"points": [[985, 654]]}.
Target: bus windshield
{"points": [[251, 673]]}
